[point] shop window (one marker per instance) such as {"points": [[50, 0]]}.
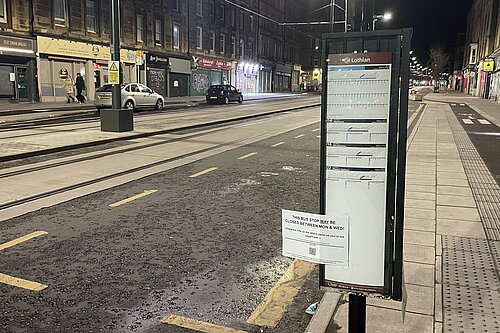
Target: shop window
{"points": [[199, 38], [60, 12], [212, 40], [176, 36], [140, 28], [158, 32], [199, 7], [91, 16], [3, 11], [222, 43]]}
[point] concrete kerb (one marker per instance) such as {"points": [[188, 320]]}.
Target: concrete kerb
{"points": [[148, 134], [330, 302]]}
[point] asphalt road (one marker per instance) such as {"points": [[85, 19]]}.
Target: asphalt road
{"points": [[202, 244]]}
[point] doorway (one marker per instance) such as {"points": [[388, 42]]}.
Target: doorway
{"points": [[22, 83]]}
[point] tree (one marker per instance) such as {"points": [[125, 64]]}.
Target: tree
{"points": [[439, 61]]}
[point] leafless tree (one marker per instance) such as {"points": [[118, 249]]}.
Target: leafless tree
{"points": [[439, 61]]}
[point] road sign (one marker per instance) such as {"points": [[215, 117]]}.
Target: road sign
{"points": [[114, 72]]}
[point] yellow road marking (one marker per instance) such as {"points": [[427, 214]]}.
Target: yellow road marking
{"points": [[315, 130], [271, 310], [415, 114], [22, 239], [203, 172], [246, 156], [21, 283], [299, 136], [278, 144], [135, 197], [197, 325]]}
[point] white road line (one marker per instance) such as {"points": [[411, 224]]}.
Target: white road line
{"points": [[484, 121], [453, 105], [462, 104], [468, 121]]}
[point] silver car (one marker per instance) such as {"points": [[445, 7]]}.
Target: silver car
{"points": [[134, 96]]}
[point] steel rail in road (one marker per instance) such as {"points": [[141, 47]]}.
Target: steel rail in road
{"points": [[142, 167]]}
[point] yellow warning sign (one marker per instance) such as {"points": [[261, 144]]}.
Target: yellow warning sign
{"points": [[488, 65], [113, 66]]}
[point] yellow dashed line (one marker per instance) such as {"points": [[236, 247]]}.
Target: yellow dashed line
{"points": [[246, 156], [278, 299], [415, 114], [299, 136], [135, 197], [197, 325], [22, 239], [278, 144], [21, 283], [203, 172]]}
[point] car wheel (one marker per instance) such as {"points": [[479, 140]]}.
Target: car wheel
{"points": [[240, 100], [159, 105], [129, 105], [226, 100]]}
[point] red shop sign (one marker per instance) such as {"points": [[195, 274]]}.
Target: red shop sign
{"points": [[214, 64]]}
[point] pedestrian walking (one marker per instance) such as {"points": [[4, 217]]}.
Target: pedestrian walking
{"points": [[80, 87], [69, 88]]}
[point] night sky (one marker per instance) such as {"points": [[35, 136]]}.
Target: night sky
{"points": [[434, 22]]}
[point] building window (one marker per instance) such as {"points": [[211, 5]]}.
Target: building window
{"points": [[60, 13], [91, 16], [212, 40], [222, 43], [242, 21], [233, 17], [223, 13], [175, 5], [242, 47], [251, 22], [140, 28], [158, 32], [176, 35], [3, 11], [199, 7], [250, 48], [199, 38], [233, 46], [212, 10]]}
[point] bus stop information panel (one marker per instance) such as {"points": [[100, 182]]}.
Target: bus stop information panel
{"points": [[357, 134]]}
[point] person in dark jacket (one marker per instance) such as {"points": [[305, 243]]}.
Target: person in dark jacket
{"points": [[80, 87]]}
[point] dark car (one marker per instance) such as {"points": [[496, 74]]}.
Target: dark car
{"points": [[223, 93]]}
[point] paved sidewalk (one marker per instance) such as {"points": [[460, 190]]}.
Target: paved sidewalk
{"points": [[22, 107], [451, 268]]}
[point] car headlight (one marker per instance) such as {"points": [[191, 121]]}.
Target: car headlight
{"points": [[222, 92]]}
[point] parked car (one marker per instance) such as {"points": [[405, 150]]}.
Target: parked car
{"points": [[134, 96], [223, 93]]}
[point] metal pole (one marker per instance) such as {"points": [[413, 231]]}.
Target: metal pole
{"points": [[332, 15], [115, 52], [346, 14], [374, 20], [357, 313]]}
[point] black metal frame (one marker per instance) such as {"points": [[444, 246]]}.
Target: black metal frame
{"points": [[398, 43]]}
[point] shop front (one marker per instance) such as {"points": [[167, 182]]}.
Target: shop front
{"points": [[17, 69], [157, 70], [207, 72], [495, 81], [178, 77], [283, 78], [266, 79], [247, 76], [296, 77], [59, 56]]}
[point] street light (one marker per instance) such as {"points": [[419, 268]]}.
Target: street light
{"points": [[385, 17]]}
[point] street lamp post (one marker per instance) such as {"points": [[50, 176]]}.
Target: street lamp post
{"points": [[116, 119], [385, 17]]}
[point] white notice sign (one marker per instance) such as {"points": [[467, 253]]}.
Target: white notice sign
{"points": [[315, 238]]}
